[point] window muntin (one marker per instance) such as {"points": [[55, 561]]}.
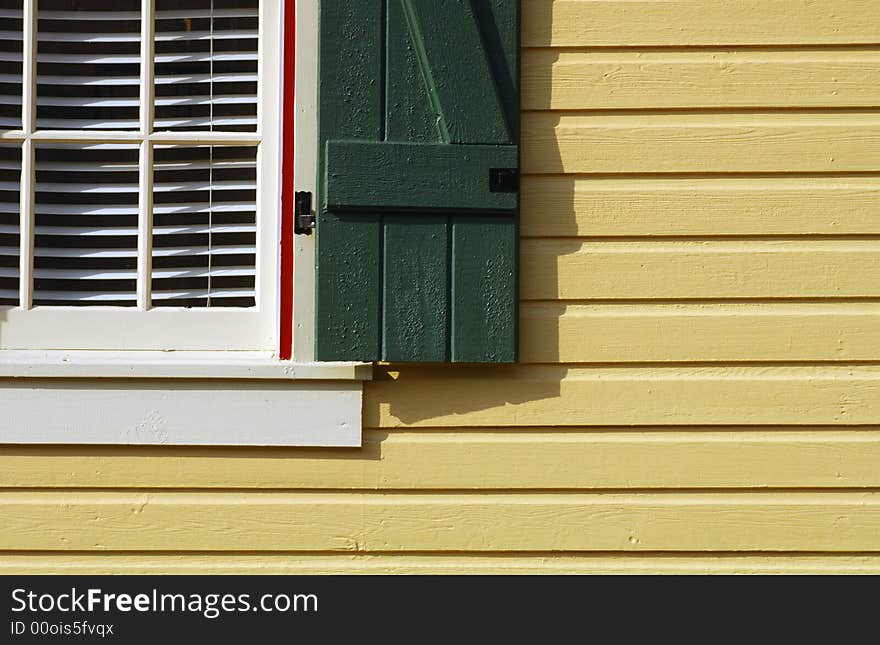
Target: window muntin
{"points": [[155, 263]]}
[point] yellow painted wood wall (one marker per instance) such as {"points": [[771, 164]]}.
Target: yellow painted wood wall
{"points": [[700, 387]]}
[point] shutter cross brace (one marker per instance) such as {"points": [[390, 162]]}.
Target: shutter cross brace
{"points": [[304, 217]]}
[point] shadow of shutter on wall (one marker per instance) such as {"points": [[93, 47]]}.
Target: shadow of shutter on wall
{"points": [[418, 182]]}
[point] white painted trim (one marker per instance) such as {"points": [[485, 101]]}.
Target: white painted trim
{"points": [[305, 172], [268, 259], [145, 159], [127, 329], [28, 120], [145, 227], [199, 365], [181, 412], [25, 231]]}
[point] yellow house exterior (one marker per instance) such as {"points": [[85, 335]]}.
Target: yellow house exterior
{"points": [[699, 385]]}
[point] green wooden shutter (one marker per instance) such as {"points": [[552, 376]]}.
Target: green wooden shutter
{"points": [[418, 204]]}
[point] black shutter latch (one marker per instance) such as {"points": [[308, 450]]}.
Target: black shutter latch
{"points": [[304, 217], [503, 180]]}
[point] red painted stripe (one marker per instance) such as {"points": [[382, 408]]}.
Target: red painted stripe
{"points": [[285, 347]]}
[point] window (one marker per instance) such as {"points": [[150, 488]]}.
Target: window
{"points": [[140, 174], [140, 211]]}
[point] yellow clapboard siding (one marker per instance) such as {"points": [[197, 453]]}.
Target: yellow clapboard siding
{"points": [[583, 333], [607, 396], [579, 142], [544, 459], [581, 80], [184, 521], [415, 564], [575, 269], [585, 206], [578, 23], [586, 469]]}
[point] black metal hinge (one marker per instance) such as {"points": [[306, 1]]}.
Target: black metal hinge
{"points": [[303, 217]]}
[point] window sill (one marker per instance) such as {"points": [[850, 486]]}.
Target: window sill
{"points": [[178, 398], [161, 365]]}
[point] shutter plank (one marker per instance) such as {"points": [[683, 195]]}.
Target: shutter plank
{"points": [[484, 291], [485, 250], [415, 320], [416, 302], [347, 306]]}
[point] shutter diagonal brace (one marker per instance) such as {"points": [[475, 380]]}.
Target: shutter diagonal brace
{"points": [[456, 89]]}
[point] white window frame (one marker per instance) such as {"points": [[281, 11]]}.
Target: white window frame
{"points": [[126, 388], [141, 327]]}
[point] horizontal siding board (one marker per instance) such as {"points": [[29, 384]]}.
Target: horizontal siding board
{"points": [[644, 333], [571, 269], [544, 459], [435, 563], [558, 206], [602, 23], [483, 522], [700, 143], [625, 396], [580, 80]]}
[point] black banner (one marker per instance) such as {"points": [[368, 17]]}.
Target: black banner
{"points": [[286, 609]]}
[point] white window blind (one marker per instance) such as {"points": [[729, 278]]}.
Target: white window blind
{"points": [[204, 226], [11, 35], [86, 225], [10, 199], [10, 64], [139, 158], [88, 64], [206, 65]]}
